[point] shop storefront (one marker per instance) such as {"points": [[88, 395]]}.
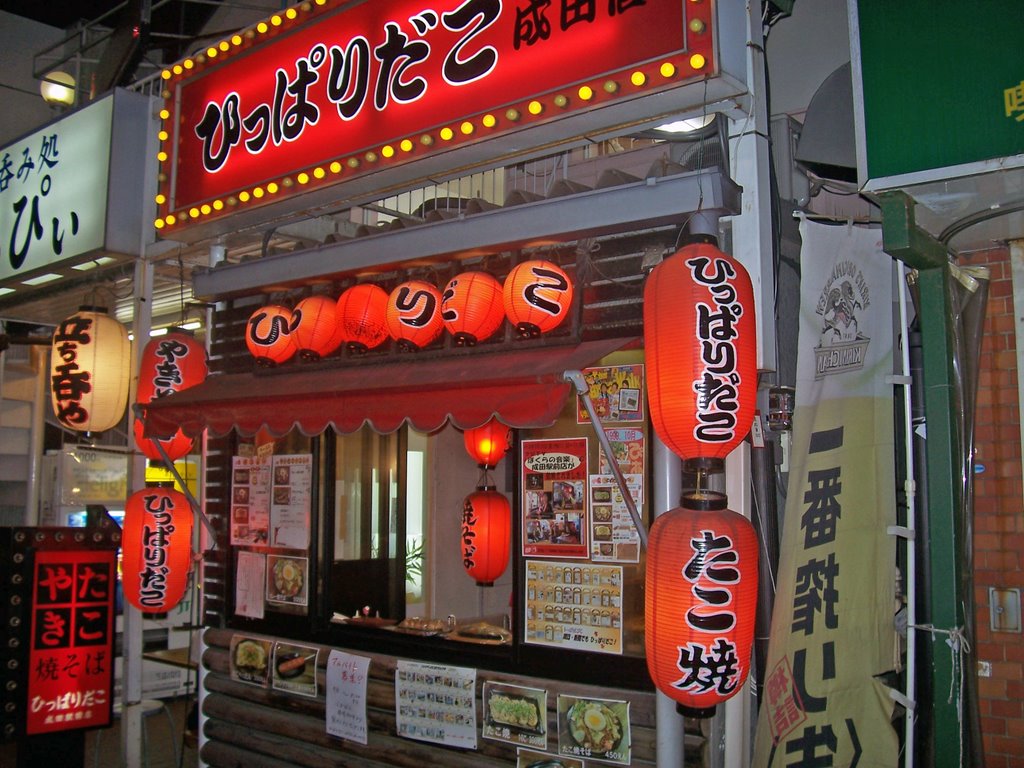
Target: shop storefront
{"points": [[354, 523]]}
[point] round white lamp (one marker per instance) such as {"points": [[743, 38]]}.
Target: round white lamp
{"points": [[58, 88]]}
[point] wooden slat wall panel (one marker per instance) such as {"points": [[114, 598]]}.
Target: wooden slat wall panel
{"points": [[252, 726]]}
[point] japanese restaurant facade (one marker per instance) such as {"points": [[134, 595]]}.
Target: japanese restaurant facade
{"points": [[355, 537]]}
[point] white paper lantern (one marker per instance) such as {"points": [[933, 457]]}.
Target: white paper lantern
{"points": [[90, 359]]}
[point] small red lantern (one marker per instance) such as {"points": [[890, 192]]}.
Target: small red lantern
{"points": [[316, 329], [537, 297], [268, 335], [471, 307], [487, 443], [362, 312], [414, 314], [486, 535], [701, 602], [170, 363], [701, 353], [156, 549]]}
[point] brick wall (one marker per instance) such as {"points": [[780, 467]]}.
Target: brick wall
{"points": [[999, 517]]}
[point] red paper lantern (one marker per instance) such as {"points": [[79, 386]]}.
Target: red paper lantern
{"points": [[316, 329], [90, 362], [471, 307], [486, 535], [169, 363], [268, 335], [414, 314], [362, 313], [156, 549], [701, 601], [701, 352], [537, 296], [487, 443]]}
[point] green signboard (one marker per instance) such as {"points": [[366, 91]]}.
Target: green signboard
{"points": [[943, 82]]}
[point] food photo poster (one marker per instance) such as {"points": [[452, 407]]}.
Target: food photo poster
{"points": [[250, 660], [516, 714], [594, 729], [287, 580], [294, 669], [555, 498]]}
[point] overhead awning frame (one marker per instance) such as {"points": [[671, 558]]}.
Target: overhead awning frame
{"points": [[523, 388]]}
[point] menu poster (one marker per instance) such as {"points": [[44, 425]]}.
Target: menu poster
{"points": [[554, 497], [250, 500], [436, 703], [345, 685], [613, 536], [250, 577], [595, 729], [287, 580], [527, 758], [616, 392], [628, 449], [516, 714], [250, 660], [294, 669], [575, 606], [290, 500]]}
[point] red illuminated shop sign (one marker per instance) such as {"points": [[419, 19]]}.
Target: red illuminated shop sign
{"points": [[71, 658], [324, 92]]}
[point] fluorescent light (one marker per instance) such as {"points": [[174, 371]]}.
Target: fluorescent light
{"points": [[49, 277], [689, 125]]}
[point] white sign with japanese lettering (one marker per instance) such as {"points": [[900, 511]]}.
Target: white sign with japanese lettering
{"points": [[347, 675], [53, 192]]}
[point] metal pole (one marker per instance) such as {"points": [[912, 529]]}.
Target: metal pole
{"points": [[670, 733]]}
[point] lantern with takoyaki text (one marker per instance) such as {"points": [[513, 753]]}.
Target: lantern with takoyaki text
{"points": [[90, 359], [268, 335], [700, 602], [170, 363], [414, 314], [537, 296], [316, 328], [362, 316], [156, 549], [471, 307]]}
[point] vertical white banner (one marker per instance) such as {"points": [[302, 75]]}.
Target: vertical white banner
{"points": [[832, 628]]}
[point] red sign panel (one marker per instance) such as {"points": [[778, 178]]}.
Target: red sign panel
{"points": [[71, 657], [321, 94]]}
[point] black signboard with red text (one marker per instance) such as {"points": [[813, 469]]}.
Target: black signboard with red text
{"points": [[58, 663]]}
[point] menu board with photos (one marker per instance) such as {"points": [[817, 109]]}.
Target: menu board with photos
{"points": [[574, 605]]}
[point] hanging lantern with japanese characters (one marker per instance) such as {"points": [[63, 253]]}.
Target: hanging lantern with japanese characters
{"points": [[537, 295], [156, 549], [486, 535], [471, 307], [316, 329], [414, 314], [90, 359], [487, 443], [169, 363], [700, 339], [362, 316], [268, 335], [701, 601]]}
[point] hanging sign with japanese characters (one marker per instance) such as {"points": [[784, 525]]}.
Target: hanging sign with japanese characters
{"points": [[64, 195], [71, 659], [832, 634], [326, 92]]}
